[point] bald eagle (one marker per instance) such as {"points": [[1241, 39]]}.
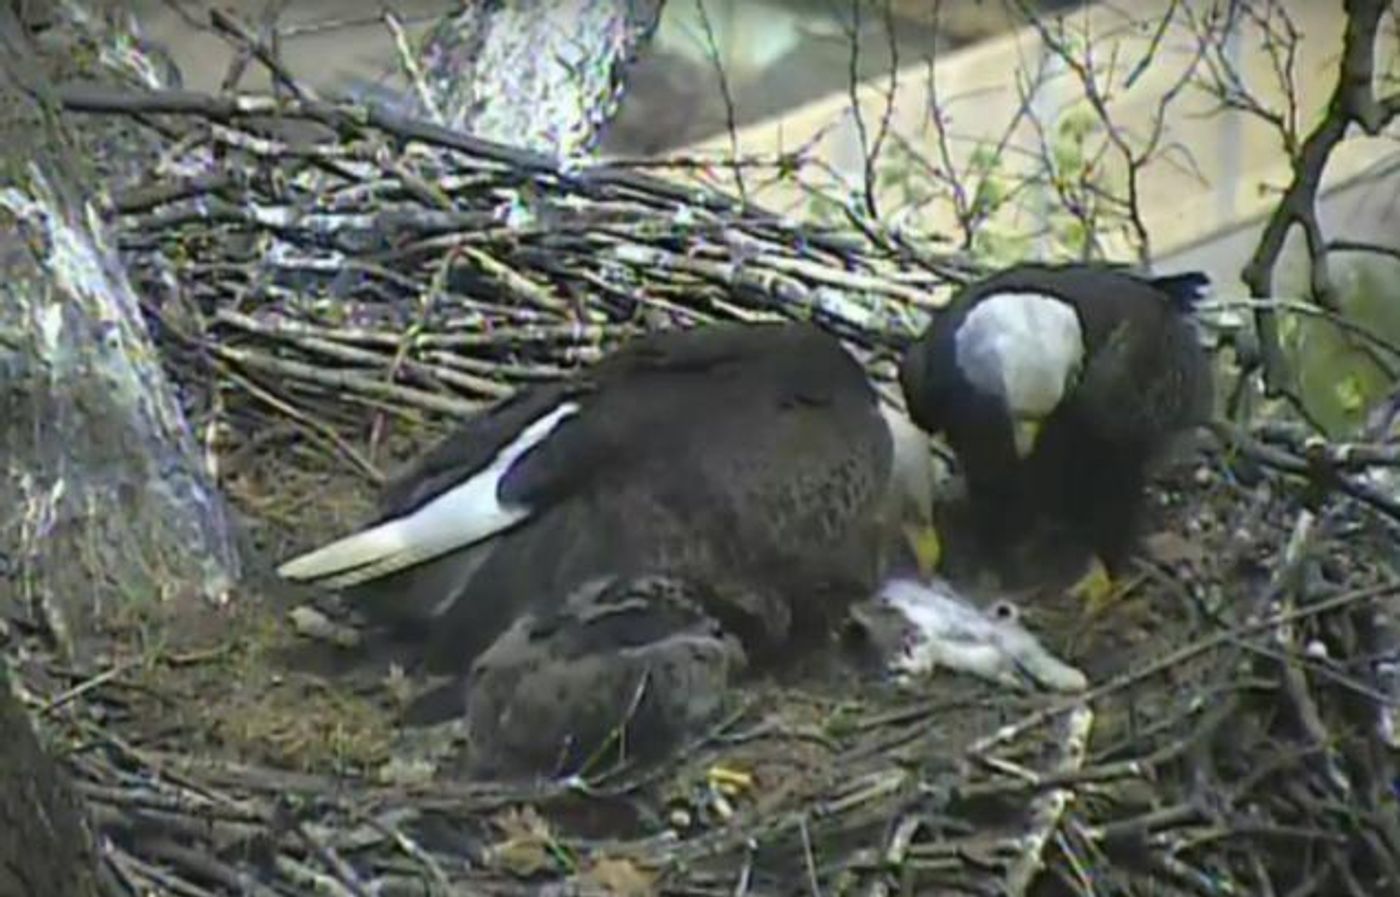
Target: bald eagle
{"points": [[756, 459], [1056, 386]]}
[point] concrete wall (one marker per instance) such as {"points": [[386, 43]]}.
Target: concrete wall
{"points": [[779, 55], [1224, 168], [1366, 209]]}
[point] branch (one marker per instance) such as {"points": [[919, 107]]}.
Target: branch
{"points": [[1353, 101], [722, 77], [1049, 808], [870, 148], [1322, 468], [341, 116], [1363, 246]]}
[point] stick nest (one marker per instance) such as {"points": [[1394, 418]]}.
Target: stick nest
{"points": [[330, 286]]}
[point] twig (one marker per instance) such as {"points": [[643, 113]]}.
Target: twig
{"points": [[231, 27], [730, 118], [1352, 102], [810, 861], [1049, 807], [1177, 657], [414, 850], [89, 684], [1290, 585], [358, 461], [409, 61], [1314, 471], [349, 382], [896, 851]]}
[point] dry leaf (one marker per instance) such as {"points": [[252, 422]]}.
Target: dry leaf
{"points": [[524, 851], [621, 878]]}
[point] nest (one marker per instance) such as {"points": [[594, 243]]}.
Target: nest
{"points": [[330, 285]]}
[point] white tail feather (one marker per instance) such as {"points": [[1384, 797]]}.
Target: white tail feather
{"points": [[463, 515]]}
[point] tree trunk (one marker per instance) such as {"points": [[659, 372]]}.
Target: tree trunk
{"points": [[46, 848], [545, 75], [102, 500]]}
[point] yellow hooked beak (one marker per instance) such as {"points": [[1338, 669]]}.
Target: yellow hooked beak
{"points": [[1025, 431], [923, 542], [1097, 589]]}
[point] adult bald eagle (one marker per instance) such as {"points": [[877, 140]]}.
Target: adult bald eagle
{"points": [[1056, 385], [756, 459]]}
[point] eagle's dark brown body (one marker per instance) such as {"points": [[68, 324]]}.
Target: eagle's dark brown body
{"points": [[751, 458]]}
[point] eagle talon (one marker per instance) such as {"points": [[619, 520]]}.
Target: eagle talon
{"points": [[729, 781], [1097, 588]]}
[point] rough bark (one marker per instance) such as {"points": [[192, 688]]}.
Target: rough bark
{"points": [[541, 74], [101, 497], [46, 848]]}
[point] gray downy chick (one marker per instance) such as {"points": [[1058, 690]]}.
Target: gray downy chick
{"points": [[626, 667]]}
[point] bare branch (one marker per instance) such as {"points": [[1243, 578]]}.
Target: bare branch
{"points": [[1352, 101], [870, 147], [1096, 88], [1362, 246], [730, 118]]}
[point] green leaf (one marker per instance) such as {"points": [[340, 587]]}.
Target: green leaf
{"points": [[988, 197], [1072, 235], [1351, 394], [1077, 124], [823, 209], [1068, 158], [983, 159], [997, 247]]}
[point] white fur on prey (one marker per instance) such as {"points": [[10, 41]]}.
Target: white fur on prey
{"points": [[947, 630]]}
